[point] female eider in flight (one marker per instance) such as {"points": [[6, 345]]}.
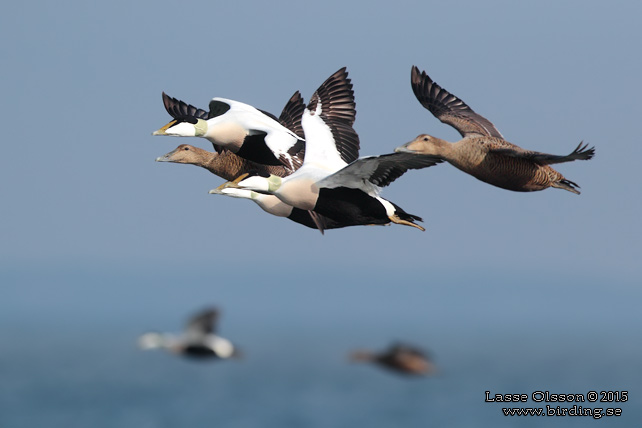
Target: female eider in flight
{"points": [[198, 340], [483, 152], [248, 132], [224, 164], [400, 358], [326, 183]]}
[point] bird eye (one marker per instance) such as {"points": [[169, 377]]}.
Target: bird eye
{"points": [[185, 148], [425, 138]]}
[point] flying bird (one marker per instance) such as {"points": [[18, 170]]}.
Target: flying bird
{"points": [[273, 205], [330, 184], [400, 358], [229, 165], [250, 133], [483, 152], [199, 339]]}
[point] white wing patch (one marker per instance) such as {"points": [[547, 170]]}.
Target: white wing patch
{"points": [[320, 148], [222, 346]]}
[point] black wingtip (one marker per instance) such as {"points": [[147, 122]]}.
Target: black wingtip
{"points": [[182, 111], [417, 76], [414, 73], [569, 185], [583, 152]]}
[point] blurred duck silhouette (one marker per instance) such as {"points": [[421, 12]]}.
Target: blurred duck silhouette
{"points": [[400, 358], [199, 340]]}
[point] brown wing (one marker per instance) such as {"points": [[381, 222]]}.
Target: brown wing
{"points": [[580, 153], [448, 108]]}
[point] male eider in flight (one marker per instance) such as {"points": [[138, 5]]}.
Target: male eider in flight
{"points": [[229, 166], [198, 340], [248, 132], [326, 183], [223, 162], [400, 358], [483, 152]]}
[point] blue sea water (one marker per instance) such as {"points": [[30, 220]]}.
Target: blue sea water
{"points": [[68, 355]]}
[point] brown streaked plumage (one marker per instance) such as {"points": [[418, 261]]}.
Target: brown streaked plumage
{"points": [[483, 152], [225, 164], [400, 358]]}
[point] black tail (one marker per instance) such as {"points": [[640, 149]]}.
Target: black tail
{"points": [[567, 185], [404, 215]]}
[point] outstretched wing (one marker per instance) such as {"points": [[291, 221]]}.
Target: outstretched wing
{"points": [[203, 322], [291, 119], [448, 108], [332, 106], [291, 114], [183, 112], [372, 172], [580, 153]]}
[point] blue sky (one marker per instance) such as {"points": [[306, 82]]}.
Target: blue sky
{"points": [[96, 237], [82, 87]]}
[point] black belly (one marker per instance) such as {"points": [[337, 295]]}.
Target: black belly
{"points": [[255, 149], [350, 207], [199, 351]]}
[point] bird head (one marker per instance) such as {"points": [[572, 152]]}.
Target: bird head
{"points": [[182, 154], [189, 121], [424, 144]]}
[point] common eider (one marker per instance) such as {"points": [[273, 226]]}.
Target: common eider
{"points": [[483, 152], [401, 358], [326, 183], [250, 133], [273, 205], [199, 339], [229, 165]]}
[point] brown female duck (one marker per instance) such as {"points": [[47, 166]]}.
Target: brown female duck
{"points": [[483, 152], [225, 164], [400, 358]]}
